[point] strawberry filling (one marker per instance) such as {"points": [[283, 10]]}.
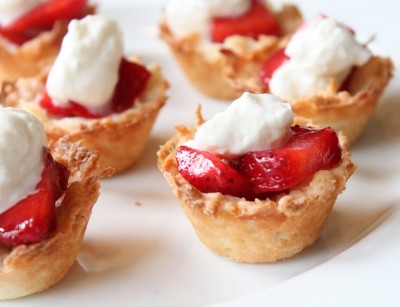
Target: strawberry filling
{"points": [[257, 20], [132, 81], [262, 174], [33, 218], [273, 63], [42, 18], [208, 173]]}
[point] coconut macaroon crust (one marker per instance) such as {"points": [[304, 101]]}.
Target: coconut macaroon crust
{"points": [[260, 230]]}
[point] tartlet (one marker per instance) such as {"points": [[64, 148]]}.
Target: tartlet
{"points": [[27, 269], [260, 230], [119, 138], [28, 59], [347, 109], [206, 64]]}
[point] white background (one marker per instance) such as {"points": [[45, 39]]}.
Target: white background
{"points": [[140, 250]]}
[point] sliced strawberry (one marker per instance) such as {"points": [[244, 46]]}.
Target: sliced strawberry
{"points": [[308, 151], [33, 218], [42, 18], [272, 64], [45, 15], [132, 81], [208, 173], [257, 20], [17, 38], [72, 110]]}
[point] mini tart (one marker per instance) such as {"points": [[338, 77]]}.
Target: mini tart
{"points": [[260, 230], [206, 64], [27, 269], [119, 138], [347, 109], [29, 59]]}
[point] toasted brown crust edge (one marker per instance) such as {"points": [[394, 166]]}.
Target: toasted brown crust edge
{"points": [[350, 110]]}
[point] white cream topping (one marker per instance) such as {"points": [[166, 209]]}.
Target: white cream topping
{"points": [[252, 122], [194, 16], [291, 82], [321, 51], [86, 69], [22, 138], [11, 10]]}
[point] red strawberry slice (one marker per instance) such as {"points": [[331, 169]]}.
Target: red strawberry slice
{"points": [[42, 18], [132, 81], [45, 15], [72, 110], [33, 218], [17, 38], [208, 173], [257, 20], [272, 64], [308, 151]]}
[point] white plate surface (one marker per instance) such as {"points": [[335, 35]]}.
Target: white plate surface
{"points": [[140, 250]]}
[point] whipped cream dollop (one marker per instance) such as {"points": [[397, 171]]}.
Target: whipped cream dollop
{"points": [[86, 69], [252, 122], [194, 16], [11, 10], [22, 138], [321, 51]]}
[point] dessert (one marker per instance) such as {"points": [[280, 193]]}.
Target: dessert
{"points": [[208, 37], [325, 74], [256, 199], [31, 33], [94, 94], [47, 194]]}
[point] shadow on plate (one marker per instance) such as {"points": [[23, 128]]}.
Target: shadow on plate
{"points": [[344, 228]]}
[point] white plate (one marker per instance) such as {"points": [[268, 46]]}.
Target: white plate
{"points": [[139, 248]]}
